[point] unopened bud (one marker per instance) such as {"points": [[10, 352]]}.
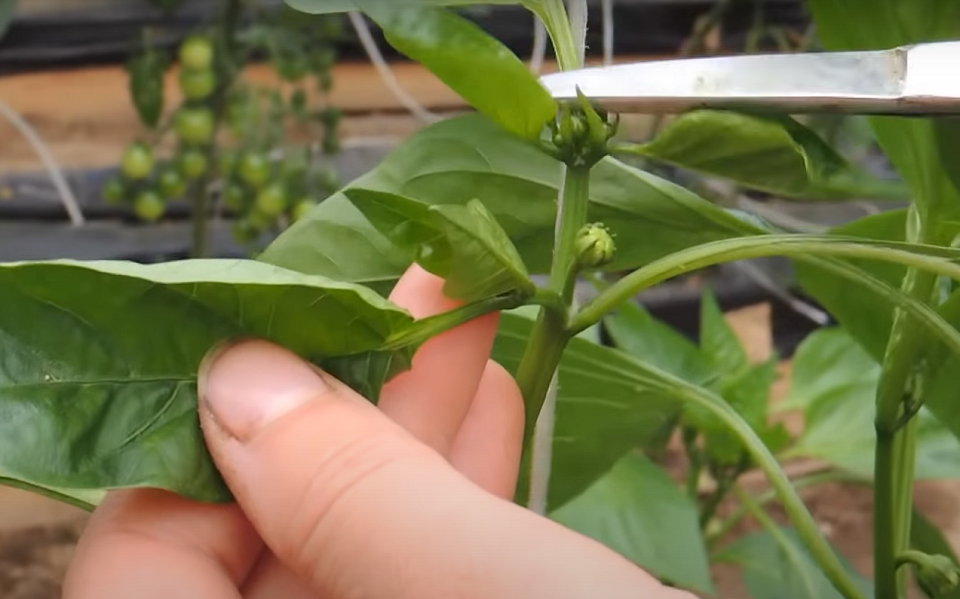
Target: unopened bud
{"points": [[594, 246], [937, 575]]}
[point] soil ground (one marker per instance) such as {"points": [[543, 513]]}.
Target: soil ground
{"points": [[37, 536]]}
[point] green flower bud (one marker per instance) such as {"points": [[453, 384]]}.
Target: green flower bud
{"points": [[938, 576], [594, 246]]}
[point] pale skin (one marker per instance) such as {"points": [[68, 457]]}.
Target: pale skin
{"points": [[339, 499]]}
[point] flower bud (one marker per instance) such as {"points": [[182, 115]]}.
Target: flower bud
{"points": [[594, 246], [937, 575]]}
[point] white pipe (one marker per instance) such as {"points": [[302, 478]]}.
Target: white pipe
{"points": [[67, 198], [608, 26]]}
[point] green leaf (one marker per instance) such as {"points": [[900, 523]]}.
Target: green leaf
{"points": [[8, 10], [926, 537], [636, 332], [462, 244], [145, 71], [776, 566], [717, 339], [775, 154], [99, 362], [477, 66], [518, 184], [604, 408], [923, 150], [638, 511], [834, 383]]}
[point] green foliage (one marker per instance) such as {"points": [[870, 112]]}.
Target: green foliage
{"points": [[775, 154], [101, 359], [463, 244], [776, 566], [834, 384], [456, 50], [648, 216], [638, 510], [145, 71]]}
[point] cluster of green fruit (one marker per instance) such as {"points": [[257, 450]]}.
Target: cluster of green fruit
{"points": [[149, 184]]}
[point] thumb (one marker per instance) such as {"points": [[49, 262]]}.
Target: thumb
{"points": [[357, 507], [309, 460]]}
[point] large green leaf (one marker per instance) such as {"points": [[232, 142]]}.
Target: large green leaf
{"points": [[638, 511], [926, 537], [834, 383], [636, 332], [604, 408], [776, 566], [470, 157], [478, 67], [924, 151], [717, 339], [463, 244], [98, 362], [770, 153]]}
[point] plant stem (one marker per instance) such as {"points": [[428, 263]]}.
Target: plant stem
{"points": [[538, 364], [801, 519], [766, 497], [426, 328], [757, 246], [896, 445], [571, 216], [689, 435], [199, 209]]}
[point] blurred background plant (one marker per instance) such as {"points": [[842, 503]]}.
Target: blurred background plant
{"points": [[256, 152]]}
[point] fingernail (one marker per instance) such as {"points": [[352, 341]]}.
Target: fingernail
{"points": [[248, 384]]}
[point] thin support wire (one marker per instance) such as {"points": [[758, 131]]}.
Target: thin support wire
{"points": [[373, 52], [539, 52], [49, 162], [608, 31], [578, 24]]}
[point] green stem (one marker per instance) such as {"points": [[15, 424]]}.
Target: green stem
{"points": [[571, 216], [727, 525], [538, 364], [724, 485], [801, 519], [896, 445], [553, 13], [689, 435], [426, 328], [742, 248], [199, 204]]}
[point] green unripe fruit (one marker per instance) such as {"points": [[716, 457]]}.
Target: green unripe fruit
{"points": [[272, 201], [137, 162], [149, 206], [594, 246], [254, 169], [235, 197], [197, 85], [194, 126], [114, 191], [193, 164], [196, 53], [937, 575], [171, 185], [302, 208]]}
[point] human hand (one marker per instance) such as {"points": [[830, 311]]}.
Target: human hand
{"points": [[338, 499]]}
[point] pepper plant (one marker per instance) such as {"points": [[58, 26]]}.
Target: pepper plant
{"points": [[511, 206], [229, 138]]}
